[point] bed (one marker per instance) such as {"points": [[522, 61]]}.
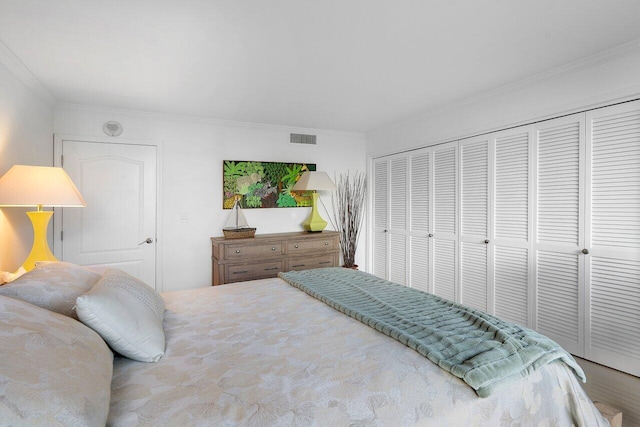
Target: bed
{"points": [[261, 353]]}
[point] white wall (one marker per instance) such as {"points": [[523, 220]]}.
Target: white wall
{"points": [[26, 128], [192, 153], [596, 81]]}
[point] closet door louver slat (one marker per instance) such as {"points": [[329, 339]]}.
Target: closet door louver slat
{"points": [[512, 187], [444, 279], [474, 170], [397, 252], [380, 194], [398, 194], [420, 269], [512, 284], [558, 298], [473, 276]]}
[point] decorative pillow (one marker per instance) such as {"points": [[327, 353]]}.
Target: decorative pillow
{"points": [[127, 314], [52, 285], [53, 369]]}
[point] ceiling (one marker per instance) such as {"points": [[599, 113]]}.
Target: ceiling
{"points": [[352, 65]]}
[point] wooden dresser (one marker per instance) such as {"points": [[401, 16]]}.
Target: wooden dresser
{"points": [[264, 255]]}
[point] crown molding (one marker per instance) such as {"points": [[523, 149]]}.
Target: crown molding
{"points": [[23, 74], [207, 120], [600, 58]]}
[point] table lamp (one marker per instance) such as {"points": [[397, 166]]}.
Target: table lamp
{"points": [[38, 186], [314, 181]]}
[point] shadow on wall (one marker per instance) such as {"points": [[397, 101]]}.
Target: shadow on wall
{"points": [[16, 236]]}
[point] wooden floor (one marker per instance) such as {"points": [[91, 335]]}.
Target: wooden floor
{"points": [[614, 388]]}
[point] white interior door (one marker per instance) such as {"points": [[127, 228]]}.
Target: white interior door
{"points": [[118, 226]]}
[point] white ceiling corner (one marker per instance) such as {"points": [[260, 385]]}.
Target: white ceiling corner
{"points": [[21, 72]]}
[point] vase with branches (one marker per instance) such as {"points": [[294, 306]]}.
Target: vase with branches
{"points": [[348, 211]]}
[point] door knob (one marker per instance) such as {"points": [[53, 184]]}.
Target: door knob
{"points": [[148, 241], [486, 242], [585, 251]]}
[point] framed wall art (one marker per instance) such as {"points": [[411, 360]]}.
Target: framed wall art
{"points": [[264, 184]]}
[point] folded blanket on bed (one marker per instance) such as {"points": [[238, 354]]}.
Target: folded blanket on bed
{"points": [[481, 349]]}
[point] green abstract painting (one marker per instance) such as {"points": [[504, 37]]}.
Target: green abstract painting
{"points": [[264, 184]]}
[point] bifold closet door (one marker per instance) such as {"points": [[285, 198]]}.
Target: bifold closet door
{"points": [[445, 221], [397, 231], [420, 206], [495, 223], [475, 286], [512, 227], [613, 237], [390, 188], [559, 238], [380, 191]]}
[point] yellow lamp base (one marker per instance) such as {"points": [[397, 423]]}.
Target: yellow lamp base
{"points": [[40, 250], [314, 222]]}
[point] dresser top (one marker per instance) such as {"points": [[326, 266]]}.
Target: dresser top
{"points": [[293, 234]]}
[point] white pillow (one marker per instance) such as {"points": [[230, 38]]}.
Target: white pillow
{"points": [[127, 314], [53, 369], [52, 285]]}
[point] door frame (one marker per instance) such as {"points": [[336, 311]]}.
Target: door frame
{"points": [[57, 217]]}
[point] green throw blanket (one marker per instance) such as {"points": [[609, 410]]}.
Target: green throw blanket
{"points": [[481, 349]]}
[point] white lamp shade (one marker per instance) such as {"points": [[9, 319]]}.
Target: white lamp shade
{"points": [[314, 181], [38, 185]]}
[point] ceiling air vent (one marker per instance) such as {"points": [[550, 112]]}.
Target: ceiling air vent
{"points": [[300, 138]]}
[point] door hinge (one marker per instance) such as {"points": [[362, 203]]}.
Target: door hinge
{"points": [[62, 160], [61, 235]]}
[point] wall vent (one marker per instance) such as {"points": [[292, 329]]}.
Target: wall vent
{"points": [[300, 138]]}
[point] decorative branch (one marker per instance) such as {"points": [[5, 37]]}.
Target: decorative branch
{"points": [[348, 210]]}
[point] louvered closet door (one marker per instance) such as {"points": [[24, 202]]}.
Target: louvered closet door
{"points": [[380, 192], [397, 234], [445, 227], [512, 225], [474, 223], [420, 265], [613, 237], [559, 147]]}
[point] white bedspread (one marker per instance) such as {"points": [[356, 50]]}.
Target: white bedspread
{"points": [[264, 353]]}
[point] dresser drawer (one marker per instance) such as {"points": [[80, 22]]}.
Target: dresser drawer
{"points": [[306, 263], [311, 245], [247, 252], [263, 270]]}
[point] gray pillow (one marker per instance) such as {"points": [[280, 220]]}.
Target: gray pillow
{"points": [[127, 313], [53, 286], [53, 369]]}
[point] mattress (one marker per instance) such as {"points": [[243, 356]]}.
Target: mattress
{"points": [[264, 353]]}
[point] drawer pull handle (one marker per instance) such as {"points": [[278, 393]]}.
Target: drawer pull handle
{"points": [[237, 251], [239, 272], [296, 246], [273, 249], [272, 268], [325, 262], [299, 265], [326, 243]]}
